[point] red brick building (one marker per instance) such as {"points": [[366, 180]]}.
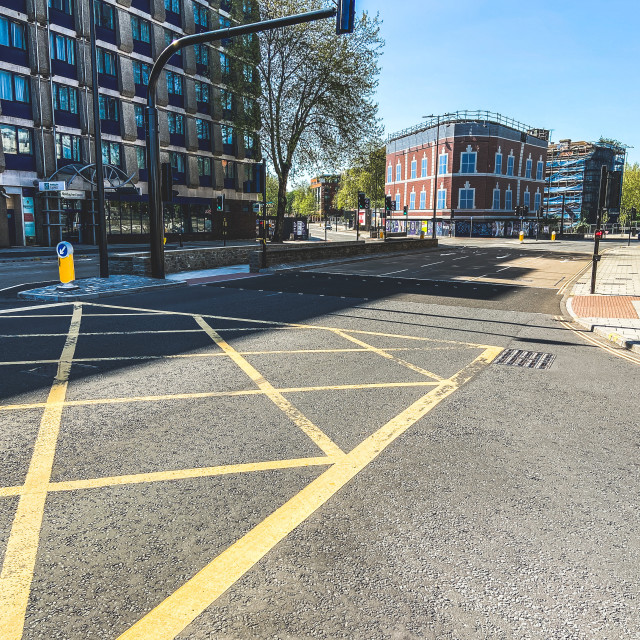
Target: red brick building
{"points": [[324, 190], [485, 164]]}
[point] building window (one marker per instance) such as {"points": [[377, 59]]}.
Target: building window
{"points": [[68, 147], [442, 198], [247, 72], [225, 23], [204, 166], [424, 167], [443, 161], [174, 83], [65, 98], [12, 34], [540, 170], [423, 199], [108, 108], [202, 53], [225, 67], [62, 48], [398, 172], [527, 173], [499, 163], [111, 153], [200, 15], [249, 105], [414, 169], [139, 111], [172, 5], [16, 140], [249, 141], [466, 198], [527, 199], [66, 6], [398, 202], [13, 87], [176, 122], [202, 91], [536, 202], [412, 201], [203, 129], [508, 200], [141, 71], [177, 161], [227, 134], [389, 174], [141, 157], [468, 162], [496, 199], [141, 29], [106, 61], [510, 162], [103, 14]]}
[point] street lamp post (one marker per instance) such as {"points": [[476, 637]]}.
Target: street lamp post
{"points": [[437, 162]]}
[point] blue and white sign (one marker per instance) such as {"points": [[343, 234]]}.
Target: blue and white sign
{"points": [[64, 249]]}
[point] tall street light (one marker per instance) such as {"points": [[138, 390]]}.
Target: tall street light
{"points": [[437, 162]]}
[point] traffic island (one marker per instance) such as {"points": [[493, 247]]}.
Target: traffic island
{"points": [[286, 254], [93, 288]]}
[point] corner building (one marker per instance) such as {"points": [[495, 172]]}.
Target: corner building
{"points": [[486, 165], [46, 121]]}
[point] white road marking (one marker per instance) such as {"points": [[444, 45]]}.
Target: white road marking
{"points": [[392, 272], [432, 263]]}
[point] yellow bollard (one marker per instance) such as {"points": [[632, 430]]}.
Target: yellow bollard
{"points": [[65, 262], [553, 235], [521, 236]]}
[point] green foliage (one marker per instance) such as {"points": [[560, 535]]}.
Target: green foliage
{"points": [[317, 102], [367, 175], [631, 188], [303, 202]]}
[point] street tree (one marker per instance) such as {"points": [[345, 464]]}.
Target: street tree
{"points": [[303, 202], [630, 191], [367, 175], [316, 107]]}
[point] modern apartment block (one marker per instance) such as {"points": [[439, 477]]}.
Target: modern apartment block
{"points": [[573, 178], [324, 189], [473, 168], [46, 121]]}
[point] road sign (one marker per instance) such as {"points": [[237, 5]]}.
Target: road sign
{"points": [[64, 249], [65, 262], [57, 185], [72, 194]]}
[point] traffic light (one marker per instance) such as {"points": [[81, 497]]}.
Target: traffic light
{"points": [[361, 200], [220, 203], [598, 234], [405, 209], [367, 203], [166, 182], [387, 203], [525, 210], [393, 205], [346, 16]]}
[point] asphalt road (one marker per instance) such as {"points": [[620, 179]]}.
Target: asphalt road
{"points": [[296, 457]]}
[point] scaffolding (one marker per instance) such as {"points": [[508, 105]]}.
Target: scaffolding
{"points": [[573, 176]]}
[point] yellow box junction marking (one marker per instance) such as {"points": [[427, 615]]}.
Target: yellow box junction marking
{"points": [[181, 608], [22, 547]]}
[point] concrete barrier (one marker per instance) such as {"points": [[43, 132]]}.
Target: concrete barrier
{"points": [[286, 254]]}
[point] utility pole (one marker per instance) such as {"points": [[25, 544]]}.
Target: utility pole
{"points": [[562, 215], [604, 185], [97, 143]]}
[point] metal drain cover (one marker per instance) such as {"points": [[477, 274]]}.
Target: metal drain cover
{"points": [[527, 359]]}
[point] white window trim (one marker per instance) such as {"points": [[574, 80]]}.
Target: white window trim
{"points": [[495, 166], [444, 206], [469, 151], [398, 171], [466, 187], [446, 167], [493, 203]]}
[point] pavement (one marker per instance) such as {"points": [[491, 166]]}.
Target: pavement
{"points": [[613, 311]]}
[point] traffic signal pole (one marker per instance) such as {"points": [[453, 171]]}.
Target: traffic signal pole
{"points": [[604, 184], [156, 223]]}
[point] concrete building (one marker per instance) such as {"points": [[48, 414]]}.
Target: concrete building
{"points": [[473, 168], [573, 178], [47, 130]]}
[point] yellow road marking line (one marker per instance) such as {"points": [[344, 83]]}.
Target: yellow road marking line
{"points": [[275, 323], [215, 355], [596, 343], [217, 394], [319, 438], [35, 306], [174, 474], [177, 611], [384, 354], [22, 547], [577, 275], [39, 315], [99, 333]]}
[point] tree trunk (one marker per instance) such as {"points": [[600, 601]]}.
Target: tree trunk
{"points": [[283, 178]]}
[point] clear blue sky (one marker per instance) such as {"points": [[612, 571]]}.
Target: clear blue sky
{"points": [[567, 65]]}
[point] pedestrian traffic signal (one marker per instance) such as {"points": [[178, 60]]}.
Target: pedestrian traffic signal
{"points": [[346, 16], [405, 210], [598, 234], [361, 200], [219, 203], [387, 203]]}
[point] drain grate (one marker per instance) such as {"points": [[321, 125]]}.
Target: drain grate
{"points": [[527, 359]]}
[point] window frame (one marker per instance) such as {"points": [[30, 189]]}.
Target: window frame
{"points": [[465, 163], [175, 123], [11, 26], [498, 164], [105, 14], [508, 200], [398, 172], [528, 168], [12, 82], [110, 107], [423, 200], [75, 146], [142, 66], [442, 171], [540, 170], [102, 55], [511, 161], [203, 126], [499, 197], [414, 169], [16, 130], [424, 167], [69, 47], [441, 199], [412, 201], [111, 145], [174, 80], [466, 191], [137, 23]]}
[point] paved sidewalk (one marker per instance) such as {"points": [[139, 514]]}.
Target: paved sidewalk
{"points": [[613, 312]]}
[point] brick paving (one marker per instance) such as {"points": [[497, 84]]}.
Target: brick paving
{"points": [[613, 311]]}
